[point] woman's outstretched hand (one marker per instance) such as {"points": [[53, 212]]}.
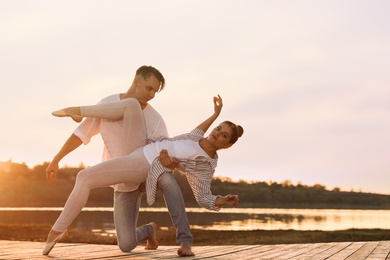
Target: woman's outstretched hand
{"points": [[232, 200], [205, 125], [166, 160], [229, 199], [217, 104]]}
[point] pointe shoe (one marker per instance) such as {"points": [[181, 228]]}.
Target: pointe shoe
{"points": [[49, 245], [63, 113]]}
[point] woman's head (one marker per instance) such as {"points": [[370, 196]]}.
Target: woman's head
{"points": [[225, 135], [236, 133]]}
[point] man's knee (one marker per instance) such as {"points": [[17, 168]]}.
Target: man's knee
{"points": [[126, 247]]}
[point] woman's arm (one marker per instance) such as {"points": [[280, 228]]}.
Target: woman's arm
{"points": [[204, 126]]}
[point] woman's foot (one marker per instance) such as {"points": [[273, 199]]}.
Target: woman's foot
{"points": [[151, 243], [185, 250], [52, 239], [73, 112]]}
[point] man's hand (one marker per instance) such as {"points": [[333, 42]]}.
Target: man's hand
{"points": [[51, 172], [166, 160]]}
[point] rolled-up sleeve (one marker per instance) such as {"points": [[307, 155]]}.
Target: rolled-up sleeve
{"points": [[87, 129]]}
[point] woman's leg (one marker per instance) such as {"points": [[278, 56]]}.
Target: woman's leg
{"points": [[132, 168], [111, 110], [129, 131], [129, 113], [132, 133]]}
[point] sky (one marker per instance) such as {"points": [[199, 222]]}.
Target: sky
{"points": [[309, 81]]}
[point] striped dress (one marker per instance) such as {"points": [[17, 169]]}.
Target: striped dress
{"points": [[199, 173]]}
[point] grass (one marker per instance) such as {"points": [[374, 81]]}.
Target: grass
{"points": [[39, 232]]}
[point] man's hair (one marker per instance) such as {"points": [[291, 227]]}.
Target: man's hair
{"points": [[147, 71]]}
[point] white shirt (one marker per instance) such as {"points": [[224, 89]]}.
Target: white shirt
{"points": [[185, 149], [111, 133], [199, 173]]}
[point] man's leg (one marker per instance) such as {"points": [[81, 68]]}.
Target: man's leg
{"points": [[176, 207], [126, 210]]}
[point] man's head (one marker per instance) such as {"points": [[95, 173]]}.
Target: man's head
{"points": [[147, 82], [147, 71]]}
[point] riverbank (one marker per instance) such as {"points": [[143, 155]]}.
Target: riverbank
{"points": [[38, 233]]}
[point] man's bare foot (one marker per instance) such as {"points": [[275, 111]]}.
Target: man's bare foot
{"points": [[185, 250], [151, 243]]}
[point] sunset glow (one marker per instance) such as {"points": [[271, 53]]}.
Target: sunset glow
{"points": [[308, 80]]}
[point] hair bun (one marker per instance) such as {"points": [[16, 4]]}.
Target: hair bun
{"points": [[240, 130]]}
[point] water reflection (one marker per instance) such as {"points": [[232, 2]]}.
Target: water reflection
{"points": [[100, 219]]}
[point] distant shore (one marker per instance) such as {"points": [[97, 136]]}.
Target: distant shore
{"points": [[39, 232]]}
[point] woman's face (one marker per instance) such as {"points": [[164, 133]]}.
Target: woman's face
{"points": [[220, 136]]}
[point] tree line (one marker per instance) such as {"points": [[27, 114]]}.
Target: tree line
{"points": [[22, 186]]}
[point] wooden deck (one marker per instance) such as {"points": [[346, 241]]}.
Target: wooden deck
{"points": [[336, 251]]}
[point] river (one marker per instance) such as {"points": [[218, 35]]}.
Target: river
{"points": [[100, 219]]}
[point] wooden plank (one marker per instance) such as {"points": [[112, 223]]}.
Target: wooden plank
{"points": [[163, 252], [347, 251], [254, 252], [381, 251], [343, 250], [329, 249], [316, 252], [364, 251], [210, 251], [289, 251], [277, 250], [87, 251], [304, 250], [222, 252]]}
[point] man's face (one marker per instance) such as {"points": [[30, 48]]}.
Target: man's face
{"points": [[146, 89]]}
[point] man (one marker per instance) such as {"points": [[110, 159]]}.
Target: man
{"points": [[147, 82]]}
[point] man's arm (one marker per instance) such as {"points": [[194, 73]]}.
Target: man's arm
{"points": [[70, 145], [167, 162]]}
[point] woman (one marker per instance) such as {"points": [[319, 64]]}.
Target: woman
{"points": [[192, 153]]}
